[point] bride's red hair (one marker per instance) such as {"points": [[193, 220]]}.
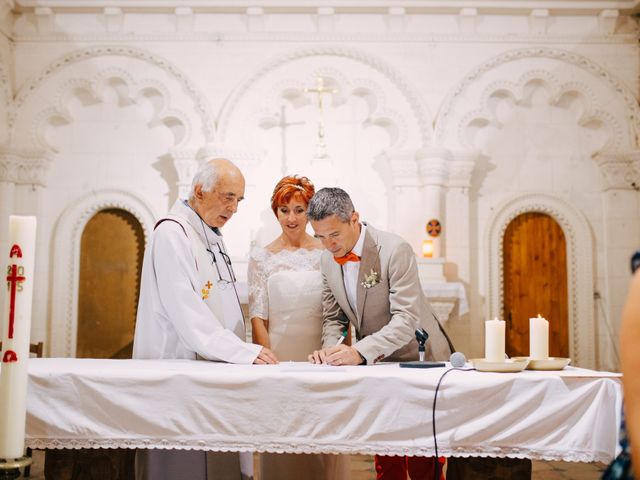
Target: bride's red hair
{"points": [[292, 187]]}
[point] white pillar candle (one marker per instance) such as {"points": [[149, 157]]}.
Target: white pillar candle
{"points": [[16, 331], [494, 340], [538, 338]]}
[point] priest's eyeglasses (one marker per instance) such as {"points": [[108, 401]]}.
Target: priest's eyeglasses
{"points": [[223, 282]]}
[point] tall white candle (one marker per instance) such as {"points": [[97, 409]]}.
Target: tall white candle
{"points": [[494, 340], [16, 331], [538, 338]]}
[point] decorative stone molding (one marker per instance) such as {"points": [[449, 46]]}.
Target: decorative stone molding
{"points": [[186, 164], [185, 19], [607, 21], [255, 19], [422, 116], [245, 159], [620, 170], [467, 21], [23, 166], [371, 93], [558, 92], [572, 58], [539, 21], [580, 260], [128, 90], [396, 19], [326, 19], [66, 259], [44, 19], [433, 166], [114, 18], [403, 168], [461, 169], [200, 103]]}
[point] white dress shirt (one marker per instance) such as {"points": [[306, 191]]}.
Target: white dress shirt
{"points": [[350, 272]]}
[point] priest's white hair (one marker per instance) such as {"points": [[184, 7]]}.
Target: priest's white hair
{"points": [[207, 176]]}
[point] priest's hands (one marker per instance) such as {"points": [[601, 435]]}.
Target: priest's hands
{"points": [[338, 355], [266, 357]]}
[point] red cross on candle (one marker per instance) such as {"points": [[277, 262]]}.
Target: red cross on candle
{"points": [[13, 279], [208, 284]]}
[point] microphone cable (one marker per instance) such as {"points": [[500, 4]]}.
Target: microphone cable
{"points": [[436, 465]]}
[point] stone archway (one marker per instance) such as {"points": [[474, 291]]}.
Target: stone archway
{"points": [[66, 260], [582, 339]]}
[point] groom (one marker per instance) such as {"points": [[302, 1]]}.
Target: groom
{"points": [[370, 279]]}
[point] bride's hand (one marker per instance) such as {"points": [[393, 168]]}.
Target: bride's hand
{"points": [[318, 356], [266, 357]]}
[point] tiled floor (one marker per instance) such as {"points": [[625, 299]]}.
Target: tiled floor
{"points": [[362, 469]]}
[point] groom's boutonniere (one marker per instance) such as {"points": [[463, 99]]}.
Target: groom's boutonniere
{"points": [[370, 280]]}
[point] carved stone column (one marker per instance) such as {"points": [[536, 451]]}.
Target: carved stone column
{"points": [[617, 239], [186, 165], [19, 167], [434, 170], [23, 175], [458, 218], [406, 217]]}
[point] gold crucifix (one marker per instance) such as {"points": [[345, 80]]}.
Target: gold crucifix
{"points": [[320, 90]]}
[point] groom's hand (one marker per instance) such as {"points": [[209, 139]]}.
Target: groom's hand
{"points": [[342, 355]]}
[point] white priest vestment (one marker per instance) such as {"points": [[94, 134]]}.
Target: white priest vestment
{"points": [[188, 308]]}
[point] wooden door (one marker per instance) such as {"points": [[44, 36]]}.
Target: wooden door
{"points": [[535, 282], [111, 253]]}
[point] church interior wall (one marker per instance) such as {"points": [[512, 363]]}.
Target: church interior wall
{"points": [[124, 101]]}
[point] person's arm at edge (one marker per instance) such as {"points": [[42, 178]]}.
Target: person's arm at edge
{"points": [[630, 366]]}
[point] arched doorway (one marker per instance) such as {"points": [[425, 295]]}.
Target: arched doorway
{"points": [[535, 282], [111, 251]]}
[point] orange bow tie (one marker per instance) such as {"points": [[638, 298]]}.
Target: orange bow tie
{"points": [[349, 257]]}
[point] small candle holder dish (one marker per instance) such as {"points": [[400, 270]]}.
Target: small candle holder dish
{"points": [[508, 365], [10, 469], [551, 363]]}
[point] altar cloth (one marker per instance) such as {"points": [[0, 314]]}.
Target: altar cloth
{"points": [[571, 415]]}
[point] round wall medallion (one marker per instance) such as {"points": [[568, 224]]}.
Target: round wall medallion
{"points": [[434, 228]]}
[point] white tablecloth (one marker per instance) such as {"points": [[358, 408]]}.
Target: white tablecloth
{"points": [[571, 415]]}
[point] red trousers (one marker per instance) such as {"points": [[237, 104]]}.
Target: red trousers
{"points": [[397, 468]]}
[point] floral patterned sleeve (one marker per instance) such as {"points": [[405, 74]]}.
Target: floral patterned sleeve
{"points": [[257, 278]]}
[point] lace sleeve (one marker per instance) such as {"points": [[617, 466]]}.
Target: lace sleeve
{"points": [[257, 277]]}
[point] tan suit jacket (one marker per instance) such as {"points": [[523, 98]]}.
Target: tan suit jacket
{"points": [[389, 311]]}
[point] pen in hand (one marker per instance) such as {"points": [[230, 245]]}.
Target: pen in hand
{"points": [[340, 340]]}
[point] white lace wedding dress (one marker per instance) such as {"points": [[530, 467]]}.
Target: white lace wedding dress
{"points": [[285, 288]]}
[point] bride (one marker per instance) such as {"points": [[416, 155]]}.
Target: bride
{"points": [[285, 306]]}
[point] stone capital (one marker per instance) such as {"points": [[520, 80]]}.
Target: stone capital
{"points": [[433, 165], [186, 164], [620, 170], [461, 169], [24, 166], [404, 169]]}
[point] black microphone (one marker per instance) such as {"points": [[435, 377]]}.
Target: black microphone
{"points": [[421, 337]]}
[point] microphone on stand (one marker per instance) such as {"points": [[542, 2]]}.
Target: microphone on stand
{"points": [[421, 336]]}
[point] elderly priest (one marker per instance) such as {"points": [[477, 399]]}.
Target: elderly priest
{"points": [[189, 307]]}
